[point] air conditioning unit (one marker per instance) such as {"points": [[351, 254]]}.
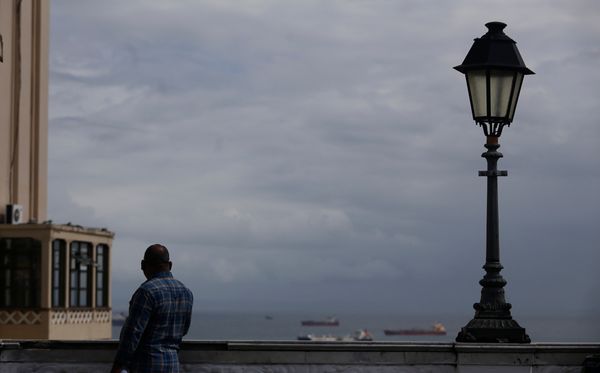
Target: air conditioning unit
{"points": [[14, 214]]}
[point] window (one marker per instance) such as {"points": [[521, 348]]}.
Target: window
{"points": [[80, 268], [20, 272], [58, 273], [101, 276]]}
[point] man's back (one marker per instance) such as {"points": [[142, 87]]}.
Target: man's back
{"points": [[159, 316]]}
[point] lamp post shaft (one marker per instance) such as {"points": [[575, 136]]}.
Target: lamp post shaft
{"points": [[492, 230], [493, 303], [493, 321]]}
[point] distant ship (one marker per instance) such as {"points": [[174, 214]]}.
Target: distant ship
{"points": [[358, 336], [437, 329], [118, 319], [330, 321]]}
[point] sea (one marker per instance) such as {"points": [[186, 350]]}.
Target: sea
{"points": [[286, 326]]}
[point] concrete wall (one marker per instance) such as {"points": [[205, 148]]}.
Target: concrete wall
{"points": [[24, 106], [300, 357]]}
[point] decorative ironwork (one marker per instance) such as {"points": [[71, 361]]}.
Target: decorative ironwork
{"points": [[102, 316], [492, 128], [20, 317], [85, 316], [58, 317]]}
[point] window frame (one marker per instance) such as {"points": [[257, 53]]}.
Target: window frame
{"points": [[101, 276], [57, 290], [80, 292], [20, 263]]}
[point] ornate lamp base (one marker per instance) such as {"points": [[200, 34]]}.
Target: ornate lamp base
{"points": [[493, 331]]}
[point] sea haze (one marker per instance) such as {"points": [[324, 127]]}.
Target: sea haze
{"points": [[287, 326]]}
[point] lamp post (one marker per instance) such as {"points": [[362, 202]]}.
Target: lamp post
{"points": [[494, 72]]}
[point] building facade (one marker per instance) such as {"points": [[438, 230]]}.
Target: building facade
{"points": [[54, 278]]}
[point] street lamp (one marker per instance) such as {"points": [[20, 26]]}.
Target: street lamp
{"points": [[494, 72]]}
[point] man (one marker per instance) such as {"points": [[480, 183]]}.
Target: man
{"points": [[159, 316]]}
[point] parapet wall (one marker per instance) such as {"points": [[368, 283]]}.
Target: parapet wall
{"points": [[310, 357]]}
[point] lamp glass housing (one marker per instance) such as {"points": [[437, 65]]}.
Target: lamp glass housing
{"points": [[494, 72], [476, 84], [493, 94]]}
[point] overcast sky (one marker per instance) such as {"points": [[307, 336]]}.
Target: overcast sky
{"points": [[321, 154]]}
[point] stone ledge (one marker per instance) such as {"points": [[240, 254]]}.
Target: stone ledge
{"points": [[297, 356]]}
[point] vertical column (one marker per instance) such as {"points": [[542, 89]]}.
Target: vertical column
{"points": [[16, 102], [107, 273], [21, 146], [93, 274], [39, 111], [6, 98], [67, 273], [46, 271], [23, 106]]}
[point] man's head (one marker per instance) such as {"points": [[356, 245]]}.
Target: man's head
{"points": [[156, 259]]}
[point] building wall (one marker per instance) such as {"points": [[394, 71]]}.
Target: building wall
{"points": [[24, 34], [24, 106]]}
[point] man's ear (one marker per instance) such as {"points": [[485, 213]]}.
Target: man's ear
{"points": [[170, 265]]}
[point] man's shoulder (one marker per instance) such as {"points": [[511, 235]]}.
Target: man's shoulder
{"points": [[181, 286], [157, 288], [160, 282]]}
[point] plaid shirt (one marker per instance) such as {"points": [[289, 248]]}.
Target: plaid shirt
{"points": [[159, 316]]}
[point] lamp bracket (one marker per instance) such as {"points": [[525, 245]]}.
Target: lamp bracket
{"points": [[492, 128]]}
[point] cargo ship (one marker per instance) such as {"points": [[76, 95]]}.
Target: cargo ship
{"points": [[361, 335], [437, 329], [330, 321]]}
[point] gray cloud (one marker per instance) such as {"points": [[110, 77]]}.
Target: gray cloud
{"points": [[289, 150]]}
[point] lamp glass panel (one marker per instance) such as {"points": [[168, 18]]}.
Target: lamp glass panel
{"points": [[513, 104], [500, 89], [477, 92]]}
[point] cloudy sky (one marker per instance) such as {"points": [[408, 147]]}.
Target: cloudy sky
{"points": [[321, 154]]}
